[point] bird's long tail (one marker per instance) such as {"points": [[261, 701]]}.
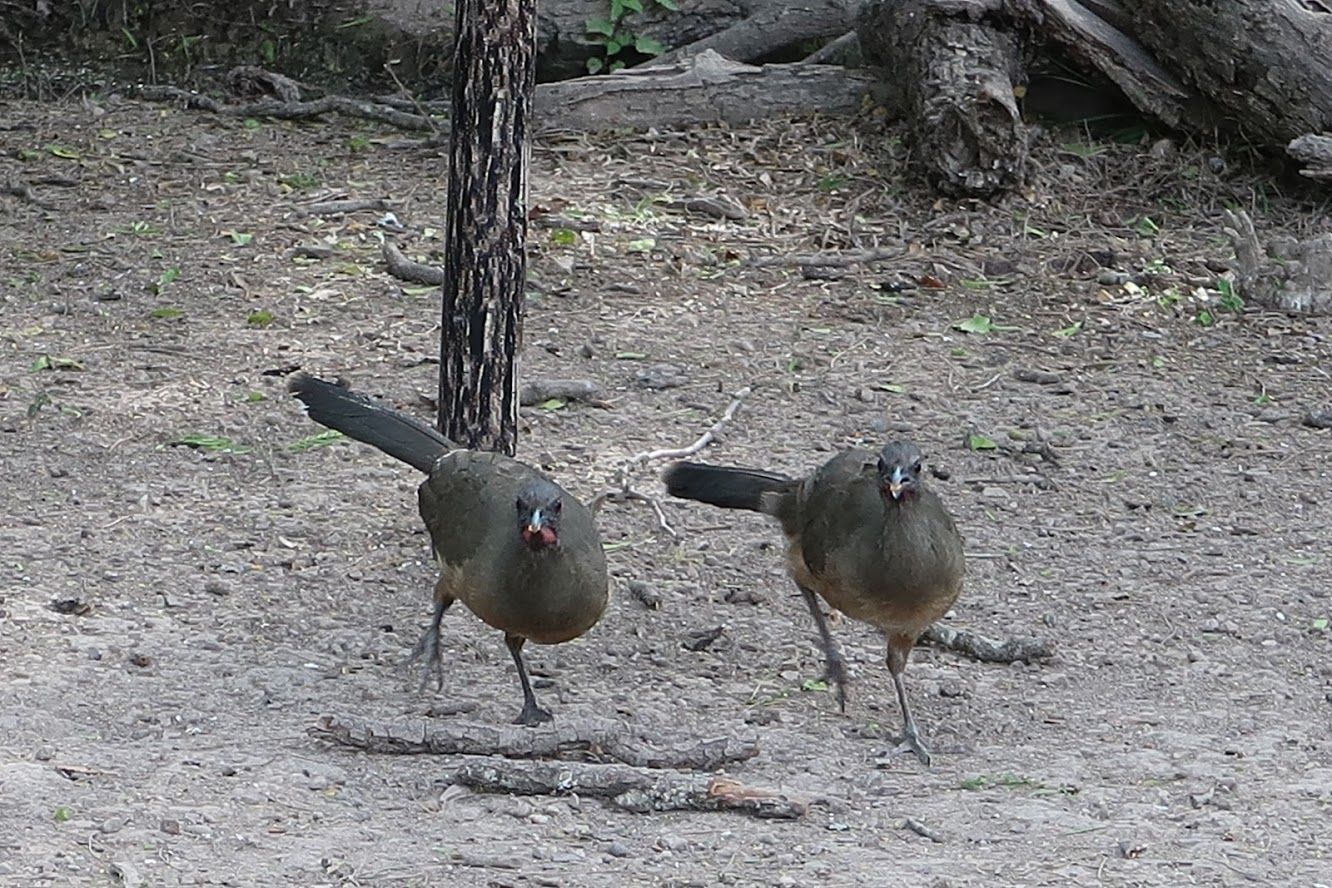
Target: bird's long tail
{"points": [[729, 487], [370, 421]]}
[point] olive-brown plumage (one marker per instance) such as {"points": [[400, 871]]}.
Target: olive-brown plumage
{"points": [[864, 533], [521, 552]]}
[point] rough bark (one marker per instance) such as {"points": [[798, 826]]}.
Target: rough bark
{"points": [[705, 88], [633, 789], [485, 267], [1201, 65], [1289, 275], [771, 27], [952, 67], [1267, 63], [633, 745]]}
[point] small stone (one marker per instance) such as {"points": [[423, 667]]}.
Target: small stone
{"points": [[616, 849]]}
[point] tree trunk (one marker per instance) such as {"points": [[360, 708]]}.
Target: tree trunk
{"points": [[1258, 67], [484, 262], [1267, 63]]}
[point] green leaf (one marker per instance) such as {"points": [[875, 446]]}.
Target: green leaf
{"points": [[1205, 318], [668, 4], [642, 245], [1158, 362], [1320, 623], [46, 362], [648, 46], [600, 26], [594, 65], [630, 356], [631, 5], [211, 443], [240, 238], [62, 814], [891, 387], [1071, 330], [320, 439], [980, 442], [563, 236], [975, 324], [551, 404], [813, 684], [63, 152], [251, 397], [260, 318], [166, 313], [1144, 226], [613, 46]]}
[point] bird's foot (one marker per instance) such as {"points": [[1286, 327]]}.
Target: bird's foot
{"points": [[427, 649], [533, 715], [834, 675], [910, 742]]}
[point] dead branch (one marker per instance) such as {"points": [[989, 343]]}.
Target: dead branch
{"points": [[842, 51], [1288, 275], [1014, 650], [622, 491], [539, 391], [342, 207], [772, 27], [830, 259], [617, 741], [357, 108], [632, 789], [405, 269]]}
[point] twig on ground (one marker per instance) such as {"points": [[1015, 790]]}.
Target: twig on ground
{"points": [[923, 830], [632, 789], [831, 258], [605, 739], [405, 269], [988, 650], [365, 110], [622, 491], [342, 207]]}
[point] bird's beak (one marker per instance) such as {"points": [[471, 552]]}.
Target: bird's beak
{"points": [[897, 482], [536, 521]]}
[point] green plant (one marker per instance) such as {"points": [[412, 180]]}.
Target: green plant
{"points": [[614, 34], [1230, 300]]}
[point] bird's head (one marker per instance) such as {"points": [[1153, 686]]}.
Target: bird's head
{"points": [[538, 506], [900, 464]]}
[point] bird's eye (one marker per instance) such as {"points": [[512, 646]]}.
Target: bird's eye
{"points": [[556, 506], [915, 467]]}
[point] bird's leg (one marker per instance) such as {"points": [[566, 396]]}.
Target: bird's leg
{"points": [[834, 666], [427, 646], [532, 714], [899, 648]]}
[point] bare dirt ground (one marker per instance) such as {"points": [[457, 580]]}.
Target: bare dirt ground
{"points": [[175, 618]]}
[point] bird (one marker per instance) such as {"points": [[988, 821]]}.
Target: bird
{"points": [[522, 553], [865, 533]]}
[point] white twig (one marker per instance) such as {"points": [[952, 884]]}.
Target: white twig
{"points": [[622, 492]]}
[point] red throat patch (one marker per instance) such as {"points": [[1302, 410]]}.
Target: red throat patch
{"points": [[542, 536]]}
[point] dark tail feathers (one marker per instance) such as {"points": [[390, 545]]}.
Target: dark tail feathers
{"points": [[370, 421], [727, 487]]}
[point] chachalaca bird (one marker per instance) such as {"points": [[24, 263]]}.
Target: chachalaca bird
{"points": [[865, 533], [521, 552]]}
